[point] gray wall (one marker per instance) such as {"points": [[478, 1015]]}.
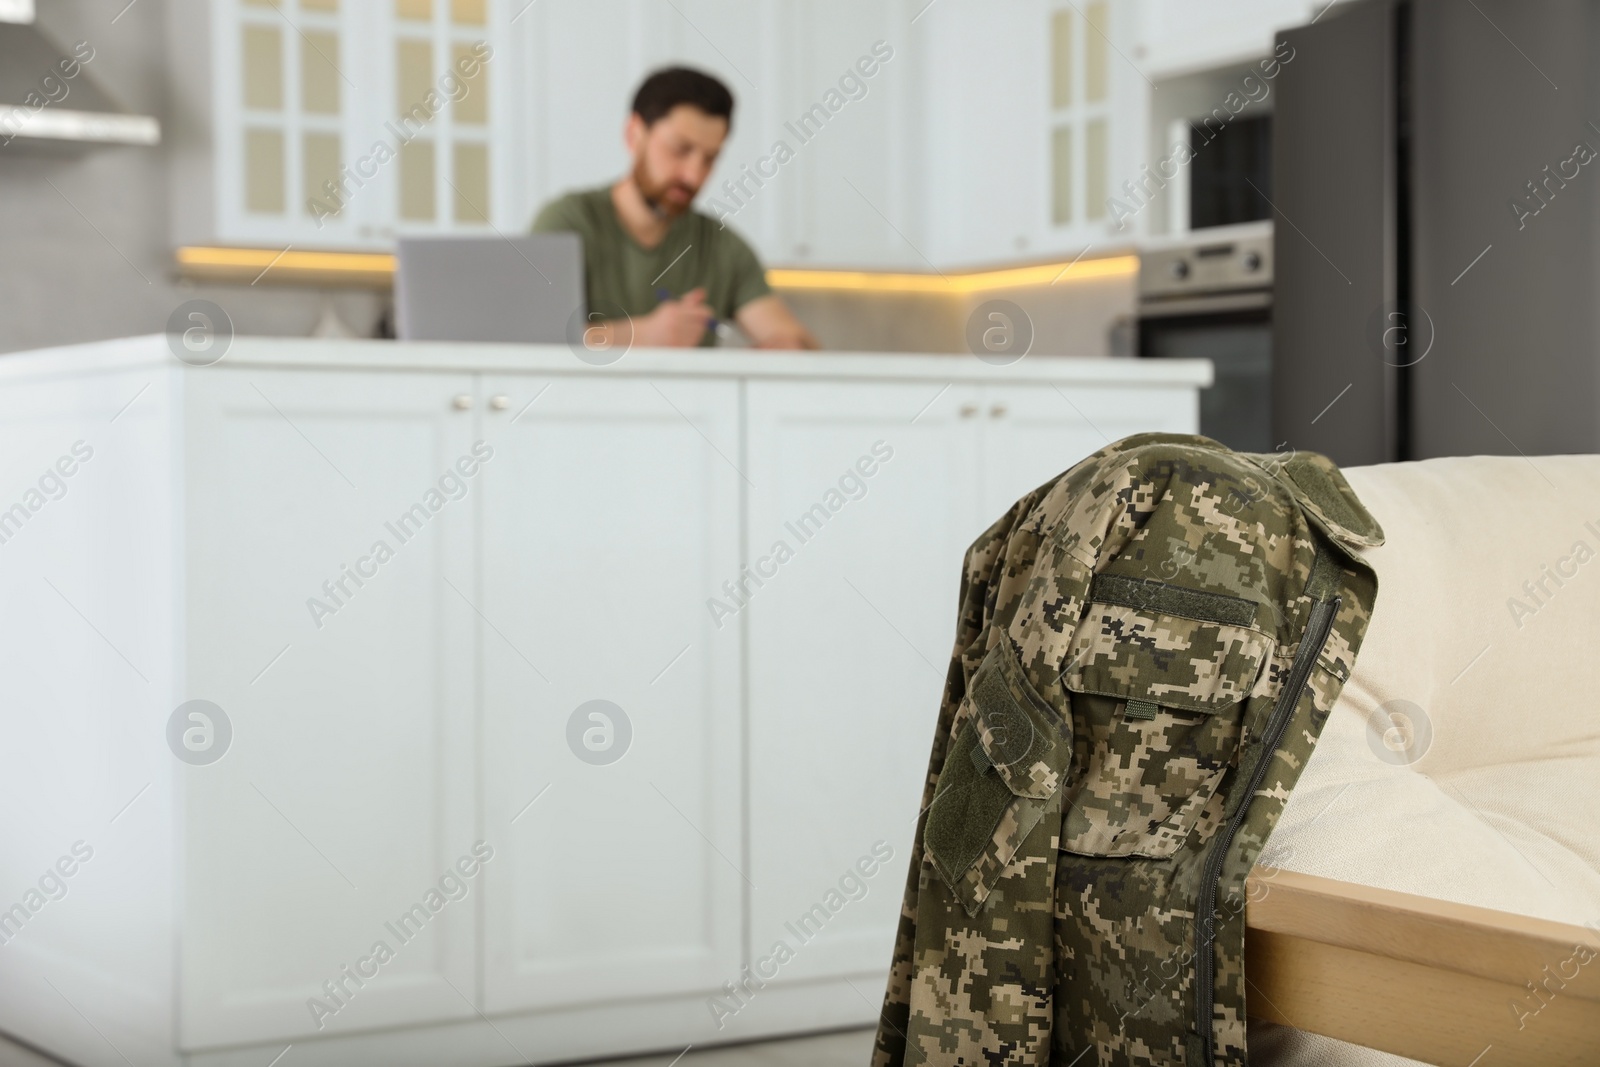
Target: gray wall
{"points": [[90, 258]]}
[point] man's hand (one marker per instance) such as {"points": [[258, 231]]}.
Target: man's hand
{"points": [[768, 322], [682, 323], [678, 323]]}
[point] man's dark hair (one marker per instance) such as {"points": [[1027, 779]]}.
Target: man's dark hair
{"points": [[671, 86]]}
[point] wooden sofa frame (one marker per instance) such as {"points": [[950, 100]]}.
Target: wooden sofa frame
{"points": [[1435, 981]]}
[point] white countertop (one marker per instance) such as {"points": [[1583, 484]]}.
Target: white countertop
{"points": [[152, 350]]}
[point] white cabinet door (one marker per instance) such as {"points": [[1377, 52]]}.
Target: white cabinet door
{"points": [[849, 637], [328, 542], [985, 100], [610, 513], [1033, 432], [849, 122], [87, 527], [581, 96]]}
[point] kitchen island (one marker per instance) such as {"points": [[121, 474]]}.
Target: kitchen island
{"points": [[435, 704]]}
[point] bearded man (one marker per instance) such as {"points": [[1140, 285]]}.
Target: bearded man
{"points": [[658, 273]]}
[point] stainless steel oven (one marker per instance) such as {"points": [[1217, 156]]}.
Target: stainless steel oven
{"points": [[1211, 298]]}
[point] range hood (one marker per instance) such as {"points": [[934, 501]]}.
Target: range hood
{"points": [[48, 98]]}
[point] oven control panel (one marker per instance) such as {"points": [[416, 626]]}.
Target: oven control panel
{"points": [[1240, 263]]}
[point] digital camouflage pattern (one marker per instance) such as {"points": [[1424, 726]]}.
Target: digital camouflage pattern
{"points": [[1127, 637]]}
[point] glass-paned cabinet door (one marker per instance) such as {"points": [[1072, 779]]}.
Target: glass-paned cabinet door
{"points": [[343, 123], [284, 89], [1082, 87], [444, 109]]}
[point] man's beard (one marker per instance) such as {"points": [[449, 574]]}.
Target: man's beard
{"points": [[655, 193]]}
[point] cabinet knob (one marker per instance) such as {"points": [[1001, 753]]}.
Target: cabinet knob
{"points": [[499, 402], [461, 402], [968, 410], [997, 412]]}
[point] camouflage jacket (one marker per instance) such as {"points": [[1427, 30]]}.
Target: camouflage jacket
{"points": [[1146, 651]]}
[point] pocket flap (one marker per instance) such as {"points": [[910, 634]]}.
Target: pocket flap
{"points": [[1320, 489], [1004, 770], [1019, 734], [1136, 653]]}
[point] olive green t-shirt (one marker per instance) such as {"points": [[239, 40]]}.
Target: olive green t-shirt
{"points": [[621, 277]]}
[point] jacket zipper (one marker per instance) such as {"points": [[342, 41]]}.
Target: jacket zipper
{"points": [[1318, 627]]}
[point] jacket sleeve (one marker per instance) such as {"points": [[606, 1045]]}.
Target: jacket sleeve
{"points": [[979, 576]]}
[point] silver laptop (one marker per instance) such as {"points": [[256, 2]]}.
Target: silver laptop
{"points": [[519, 289]]}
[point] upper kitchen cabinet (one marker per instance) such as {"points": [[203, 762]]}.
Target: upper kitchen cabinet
{"points": [[818, 167], [1178, 37], [897, 134], [1097, 102], [344, 124], [837, 151], [1036, 118], [336, 124]]}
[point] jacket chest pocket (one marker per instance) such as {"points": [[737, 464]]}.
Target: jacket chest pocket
{"points": [[1161, 697], [1002, 774]]}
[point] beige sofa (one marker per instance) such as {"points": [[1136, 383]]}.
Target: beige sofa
{"points": [[1459, 771]]}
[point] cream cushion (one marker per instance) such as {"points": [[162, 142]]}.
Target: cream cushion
{"points": [[1489, 795]]}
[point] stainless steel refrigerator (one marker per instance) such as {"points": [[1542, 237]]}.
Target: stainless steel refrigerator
{"points": [[1436, 173]]}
